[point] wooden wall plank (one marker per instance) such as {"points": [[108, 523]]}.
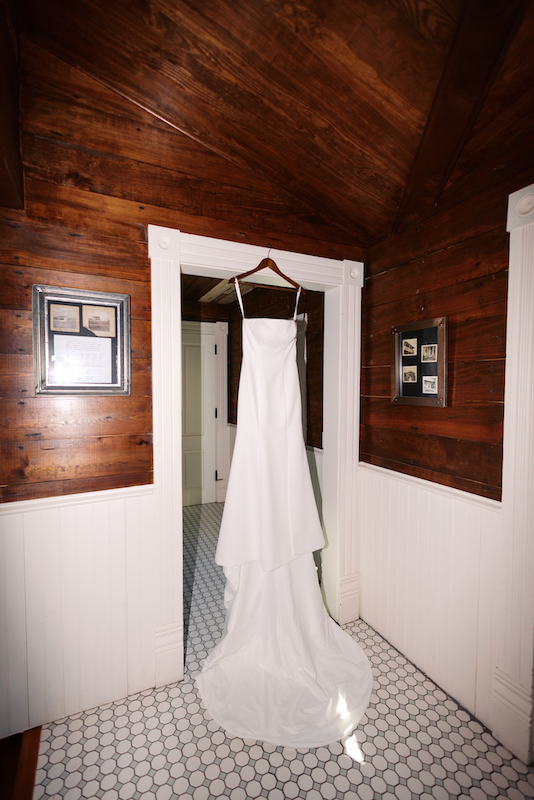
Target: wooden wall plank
{"points": [[471, 299], [47, 417], [483, 338], [453, 481], [16, 331], [95, 483], [125, 219], [74, 459], [80, 168], [473, 217], [470, 422], [46, 245], [471, 466], [475, 257], [17, 286]]}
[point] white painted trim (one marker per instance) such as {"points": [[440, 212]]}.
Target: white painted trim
{"points": [[167, 424], [436, 488], [514, 697], [341, 516], [218, 258], [47, 503], [341, 282]]}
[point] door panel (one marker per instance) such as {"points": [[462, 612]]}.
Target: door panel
{"points": [[198, 413]]}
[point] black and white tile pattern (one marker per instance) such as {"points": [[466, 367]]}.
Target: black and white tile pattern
{"points": [[414, 743]]}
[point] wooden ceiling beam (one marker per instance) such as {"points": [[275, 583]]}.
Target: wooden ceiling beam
{"points": [[484, 33], [11, 175]]}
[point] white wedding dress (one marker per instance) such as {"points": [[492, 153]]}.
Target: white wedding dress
{"points": [[284, 671]]}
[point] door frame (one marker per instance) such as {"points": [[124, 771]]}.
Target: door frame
{"points": [[173, 252]]}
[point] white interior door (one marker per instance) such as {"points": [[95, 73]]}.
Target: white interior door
{"points": [[199, 388]]}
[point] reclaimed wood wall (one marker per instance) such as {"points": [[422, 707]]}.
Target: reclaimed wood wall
{"points": [[11, 176], [98, 170], [454, 264]]}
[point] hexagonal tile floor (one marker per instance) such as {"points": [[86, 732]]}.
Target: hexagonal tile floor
{"points": [[415, 741]]}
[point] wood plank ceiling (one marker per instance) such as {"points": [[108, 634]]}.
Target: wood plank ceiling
{"points": [[365, 113]]}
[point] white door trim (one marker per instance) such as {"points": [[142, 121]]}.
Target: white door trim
{"points": [[513, 703], [172, 252]]}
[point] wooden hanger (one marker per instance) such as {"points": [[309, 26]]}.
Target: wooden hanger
{"points": [[268, 263]]}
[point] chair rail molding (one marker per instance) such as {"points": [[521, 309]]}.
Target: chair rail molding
{"points": [[513, 692]]}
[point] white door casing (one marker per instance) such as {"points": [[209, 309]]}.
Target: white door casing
{"points": [[172, 252], [513, 710]]}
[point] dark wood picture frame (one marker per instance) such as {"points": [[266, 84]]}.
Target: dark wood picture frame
{"points": [[81, 342], [419, 363]]}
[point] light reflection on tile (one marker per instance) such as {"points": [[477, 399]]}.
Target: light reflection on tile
{"points": [[414, 742]]}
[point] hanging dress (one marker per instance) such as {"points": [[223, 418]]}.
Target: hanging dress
{"points": [[284, 671]]}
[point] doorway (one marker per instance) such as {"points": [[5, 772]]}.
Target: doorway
{"points": [[171, 253]]}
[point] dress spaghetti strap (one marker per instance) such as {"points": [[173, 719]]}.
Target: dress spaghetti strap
{"points": [[297, 303], [238, 293]]}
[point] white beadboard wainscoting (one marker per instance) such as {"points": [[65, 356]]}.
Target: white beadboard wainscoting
{"points": [[77, 622], [429, 579]]}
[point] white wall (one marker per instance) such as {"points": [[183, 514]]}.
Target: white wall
{"points": [[77, 621], [428, 579]]}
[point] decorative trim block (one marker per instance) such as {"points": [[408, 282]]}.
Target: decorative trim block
{"points": [[520, 208], [512, 708], [349, 599], [353, 273]]}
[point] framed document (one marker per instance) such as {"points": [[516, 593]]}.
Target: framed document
{"points": [[81, 341], [419, 363]]}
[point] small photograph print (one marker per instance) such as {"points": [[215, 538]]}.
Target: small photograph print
{"points": [[409, 374], [409, 347], [430, 383], [429, 353], [64, 318], [100, 320]]}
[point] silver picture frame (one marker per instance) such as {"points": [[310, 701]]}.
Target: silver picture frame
{"points": [[81, 341]]}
